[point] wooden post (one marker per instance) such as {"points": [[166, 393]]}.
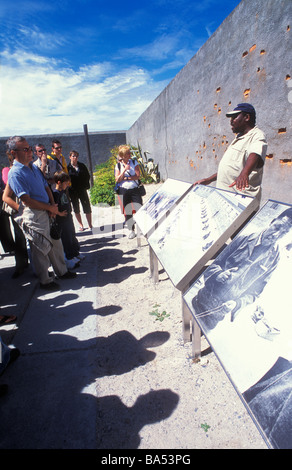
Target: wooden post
{"points": [[88, 153]]}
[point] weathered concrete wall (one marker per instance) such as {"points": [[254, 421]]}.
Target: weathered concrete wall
{"points": [[248, 58], [100, 144]]}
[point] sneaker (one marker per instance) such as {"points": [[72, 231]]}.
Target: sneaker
{"points": [[51, 286], [68, 275], [72, 263], [77, 261], [14, 354], [131, 235]]}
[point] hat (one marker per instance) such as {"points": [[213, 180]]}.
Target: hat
{"points": [[242, 107]]}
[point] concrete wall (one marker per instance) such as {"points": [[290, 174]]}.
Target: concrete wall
{"points": [[100, 144], [248, 58]]}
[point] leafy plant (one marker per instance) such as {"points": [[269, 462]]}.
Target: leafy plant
{"points": [[205, 427], [160, 316], [148, 169], [102, 190]]}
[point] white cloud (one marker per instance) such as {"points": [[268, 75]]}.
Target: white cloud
{"points": [[40, 40], [166, 52], [41, 95], [159, 49]]}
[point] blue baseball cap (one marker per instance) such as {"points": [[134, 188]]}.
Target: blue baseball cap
{"points": [[242, 108]]}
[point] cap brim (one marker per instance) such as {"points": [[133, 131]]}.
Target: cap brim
{"points": [[232, 113]]}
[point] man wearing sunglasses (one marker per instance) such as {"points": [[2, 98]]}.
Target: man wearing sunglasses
{"points": [[47, 167], [57, 156], [241, 167]]}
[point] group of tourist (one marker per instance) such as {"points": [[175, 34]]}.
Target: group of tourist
{"points": [[38, 194], [36, 198]]}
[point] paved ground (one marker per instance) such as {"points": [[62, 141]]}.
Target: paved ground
{"points": [[97, 371]]}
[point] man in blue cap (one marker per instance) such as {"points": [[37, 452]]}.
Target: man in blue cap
{"points": [[241, 167]]}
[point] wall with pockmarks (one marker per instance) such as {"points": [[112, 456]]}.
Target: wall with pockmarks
{"points": [[247, 59]]}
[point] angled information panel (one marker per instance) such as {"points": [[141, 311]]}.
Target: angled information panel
{"points": [[150, 215], [243, 305], [196, 229]]}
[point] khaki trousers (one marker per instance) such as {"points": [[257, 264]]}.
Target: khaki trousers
{"points": [[45, 251]]}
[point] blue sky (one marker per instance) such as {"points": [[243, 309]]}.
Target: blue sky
{"points": [[96, 62]]}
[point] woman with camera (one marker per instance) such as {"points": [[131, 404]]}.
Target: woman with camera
{"points": [[127, 175]]}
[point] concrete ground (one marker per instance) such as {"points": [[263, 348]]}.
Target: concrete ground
{"points": [[97, 371]]}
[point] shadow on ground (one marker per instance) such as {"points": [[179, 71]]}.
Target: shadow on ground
{"points": [[53, 386]]}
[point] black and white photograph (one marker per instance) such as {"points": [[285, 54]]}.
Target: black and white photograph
{"points": [[158, 205], [194, 229], [243, 305]]}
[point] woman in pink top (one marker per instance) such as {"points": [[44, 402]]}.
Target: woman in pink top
{"points": [[5, 172], [18, 244]]}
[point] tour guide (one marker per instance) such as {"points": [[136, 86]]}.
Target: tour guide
{"points": [[241, 167]]}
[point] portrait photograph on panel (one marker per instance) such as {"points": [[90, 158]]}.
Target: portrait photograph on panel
{"points": [[158, 205], [194, 227], [243, 305]]}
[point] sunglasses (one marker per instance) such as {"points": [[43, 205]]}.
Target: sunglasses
{"points": [[25, 149]]}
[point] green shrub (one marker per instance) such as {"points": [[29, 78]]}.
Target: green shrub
{"points": [[102, 190]]}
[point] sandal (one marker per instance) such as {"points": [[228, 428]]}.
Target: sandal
{"points": [[81, 229], [6, 320]]}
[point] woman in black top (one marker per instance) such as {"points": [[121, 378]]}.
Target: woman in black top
{"points": [[80, 178]]}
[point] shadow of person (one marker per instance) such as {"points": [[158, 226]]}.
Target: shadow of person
{"points": [[122, 352], [54, 393], [108, 310], [119, 275], [111, 258], [95, 244], [118, 426], [52, 401]]}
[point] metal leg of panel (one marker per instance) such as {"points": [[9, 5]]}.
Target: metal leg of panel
{"points": [[186, 322], [138, 237], [196, 340], [153, 265]]}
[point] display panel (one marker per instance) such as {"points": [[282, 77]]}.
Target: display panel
{"points": [[150, 215], [243, 304], [196, 229]]}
